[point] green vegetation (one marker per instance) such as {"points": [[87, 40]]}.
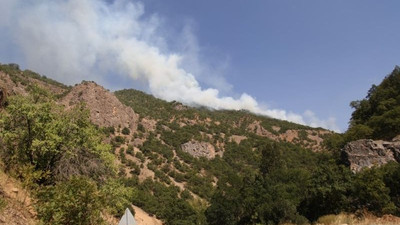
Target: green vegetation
{"points": [[80, 201], [149, 106], [41, 134], [125, 131], [76, 201], [61, 159], [118, 141], [3, 203], [378, 115], [165, 203], [292, 189], [298, 192], [109, 130]]}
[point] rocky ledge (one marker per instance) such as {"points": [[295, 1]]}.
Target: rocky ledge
{"points": [[366, 153]]}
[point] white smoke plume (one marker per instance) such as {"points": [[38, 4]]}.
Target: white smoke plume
{"points": [[71, 40]]}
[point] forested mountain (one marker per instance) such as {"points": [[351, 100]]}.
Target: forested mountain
{"points": [[85, 154]]}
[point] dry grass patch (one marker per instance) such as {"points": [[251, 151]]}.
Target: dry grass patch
{"points": [[337, 219], [363, 219]]}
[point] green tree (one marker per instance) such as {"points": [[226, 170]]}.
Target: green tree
{"points": [[117, 197], [225, 203], [378, 115], [77, 201], [371, 193], [62, 143], [391, 177], [327, 192], [126, 131], [271, 158]]}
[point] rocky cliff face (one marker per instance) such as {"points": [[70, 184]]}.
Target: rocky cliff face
{"points": [[366, 153], [105, 109], [199, 149]]}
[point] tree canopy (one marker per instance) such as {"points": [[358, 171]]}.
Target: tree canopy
{"points": [[378, 115]]}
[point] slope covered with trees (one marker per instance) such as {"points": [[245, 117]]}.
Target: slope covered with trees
{"points": [[61, 158], [262, 170]]}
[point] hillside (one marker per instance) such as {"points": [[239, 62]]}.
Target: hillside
{"points": [[222, 123], [181, 164]]}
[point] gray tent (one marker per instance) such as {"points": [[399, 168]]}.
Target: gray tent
{"points": [[127, 219]]}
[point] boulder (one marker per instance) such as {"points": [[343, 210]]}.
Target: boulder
{"points": [[199, 149], [366, 153]]}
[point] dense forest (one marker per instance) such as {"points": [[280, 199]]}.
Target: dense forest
{"points": [[69, 164]]}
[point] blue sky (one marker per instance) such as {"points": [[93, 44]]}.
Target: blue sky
{"points": [[302, 61]]}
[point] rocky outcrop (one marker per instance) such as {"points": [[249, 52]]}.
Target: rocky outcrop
{"points": [[179, 106], [312, 139], [149, 124], [105, 109], [199, 149], [366, 153], [12, 88], [259, 130], [237, 138]]}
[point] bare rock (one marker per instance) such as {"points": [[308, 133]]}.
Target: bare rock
{"points": [[105, 109], [179, 106], [366, 153], [289, 135], [149, 124], [397, 138], [199, 149], [237, 138], [11, 88], [259, 130]]}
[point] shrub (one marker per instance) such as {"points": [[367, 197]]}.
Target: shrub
{"points": [[117, 197], [122, 155], [76, 201], [126, 131], [140, 156], [129, 150], [109, 130], [118, 141], [140, 128], [186, 195], [3, 203]]}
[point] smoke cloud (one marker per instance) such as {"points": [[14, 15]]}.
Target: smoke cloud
{"points": [[71, 40]]}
